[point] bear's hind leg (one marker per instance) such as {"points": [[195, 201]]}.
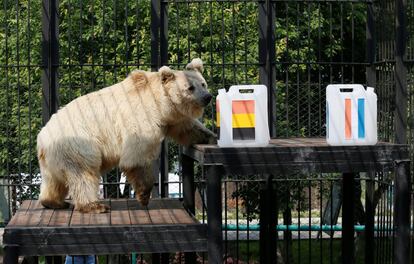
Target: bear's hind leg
{"points": [[53, 190], [84, 192], [142, 181]]}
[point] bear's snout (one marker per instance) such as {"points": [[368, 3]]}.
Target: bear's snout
{"points": [[206, 99]]}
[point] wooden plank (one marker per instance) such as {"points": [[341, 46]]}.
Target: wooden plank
{"points": [[288, 169], [25, 205], [199, 245], [80, 219], [102, 234], [160, 216], [35, 212], [45, 217], [135, 205], [100, 219], [29, 215], [41, 213], [18, 217], [137, 214], [181, 216], [118, 204], [35, 204], [119, 212], [61, 217], [120, 217], [139, 217], [177, 216], [293, 142], [158, 213]]}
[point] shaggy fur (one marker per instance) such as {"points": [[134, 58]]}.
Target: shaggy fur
{"points": [[121, 125]]}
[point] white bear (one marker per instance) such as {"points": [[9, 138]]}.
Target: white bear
{"points": [[121, 125]]}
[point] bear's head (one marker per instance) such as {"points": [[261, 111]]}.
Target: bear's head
{"points": [[187, 90]]}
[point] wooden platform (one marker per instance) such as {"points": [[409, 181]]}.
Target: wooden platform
{"points": [[163, 226], [284, 158], [304, 155]]}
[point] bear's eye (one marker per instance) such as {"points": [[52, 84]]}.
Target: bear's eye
{"points": [[191, 88], [204, 85]]}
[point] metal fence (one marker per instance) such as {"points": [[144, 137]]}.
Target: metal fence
{"points": [[54, 51]]}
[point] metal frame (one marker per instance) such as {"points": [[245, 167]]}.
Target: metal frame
{"points": [[305, 156]]}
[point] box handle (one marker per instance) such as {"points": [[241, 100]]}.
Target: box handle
{"points": [[242, 89]]}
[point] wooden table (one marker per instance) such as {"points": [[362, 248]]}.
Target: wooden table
{"points": [[163, 226], [302, 155]]}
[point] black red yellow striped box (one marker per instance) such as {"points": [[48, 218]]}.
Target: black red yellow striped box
{"points": [[243, 119]]}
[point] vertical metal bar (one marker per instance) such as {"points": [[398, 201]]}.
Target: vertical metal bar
{"points": [[214, 217], [53, 259], [161, 168], [226, 218], [30, 260], [50, 58], [402, 201], [268, 222], [310, 221], [163, 33], [370, 42], [267, 71], [389, 224], [163, 177], [188, 183], [10, 254], [264, 224], [348, 216], [369, 219], [401, 95], [155, 34], [188, 194], [29, 69]]}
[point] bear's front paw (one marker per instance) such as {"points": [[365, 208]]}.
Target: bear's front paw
{"points": [[212, 140], [144, 198], [94, 207]]}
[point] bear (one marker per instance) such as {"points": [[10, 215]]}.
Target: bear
{"points": [[121, 125]]}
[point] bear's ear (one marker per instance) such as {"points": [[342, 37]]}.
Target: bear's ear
{"points": [[139, 78], [167, 74], [195, 65]]}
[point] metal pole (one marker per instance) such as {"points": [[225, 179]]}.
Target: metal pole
{"points": [[401, 94], [369, 219], [155, 34], [188, 195], [268, 222], [50, 58], [267, 59], [188, 183], [402, 212], [370, 45], [348, 216], [161, 165], [11, 254], [163, 37], [213, 176]]}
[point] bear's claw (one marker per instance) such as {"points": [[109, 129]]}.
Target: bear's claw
{"points": [[94, 207], [144, 198]]}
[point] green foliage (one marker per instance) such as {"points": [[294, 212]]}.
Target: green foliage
{"points": [[20, 88]]}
